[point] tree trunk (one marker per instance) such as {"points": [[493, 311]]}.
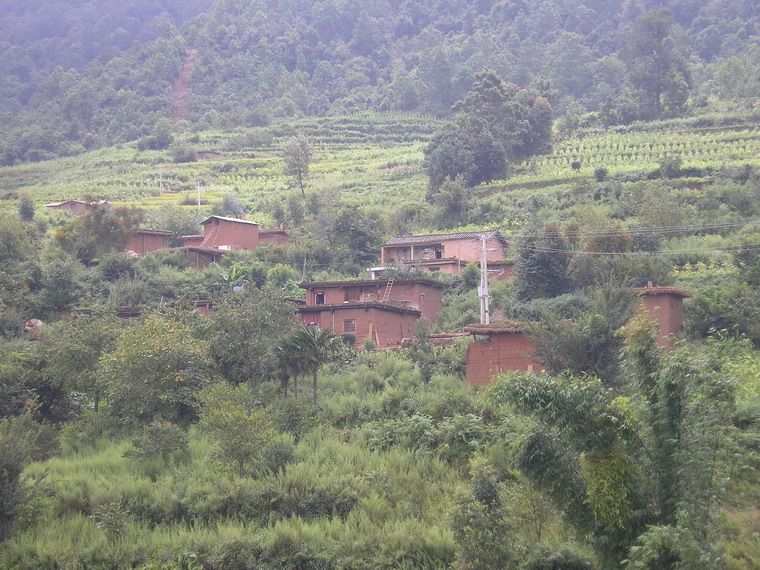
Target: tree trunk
{"points": [[295, 387], [284, 386], [314, 385]]}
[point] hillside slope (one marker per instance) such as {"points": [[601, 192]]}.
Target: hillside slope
{"points": [[73, 78]]}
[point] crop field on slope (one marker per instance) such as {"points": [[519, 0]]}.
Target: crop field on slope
{"points": [[364, 159], [368, 160]]}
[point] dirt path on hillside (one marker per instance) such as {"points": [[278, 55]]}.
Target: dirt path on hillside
{"points": [[181, 89]]}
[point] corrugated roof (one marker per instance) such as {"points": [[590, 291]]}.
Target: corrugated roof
{"points": [[226, 219], [435, 238]]}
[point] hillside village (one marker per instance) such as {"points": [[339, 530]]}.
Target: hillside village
{"points": [[385, 310], [410, 284], [397, 336]]}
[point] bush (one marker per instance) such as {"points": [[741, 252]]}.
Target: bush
{"points": [[26, 208], [22, 440], [184, 153], [159, 440], [561, 558]]}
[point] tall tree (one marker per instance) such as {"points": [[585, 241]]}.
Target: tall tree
{"points": [[243, 334], [656, 71], [296, 152], [639, 474], [309, 348], [494, 124], [155, 371], [102, 229]]}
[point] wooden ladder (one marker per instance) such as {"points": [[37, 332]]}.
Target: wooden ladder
{"points": [[388, 287]]}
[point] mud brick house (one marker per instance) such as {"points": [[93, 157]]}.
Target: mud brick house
{"points": [[202, 257], [191, 240], [507, 347], [385, 311], [277, 236], [501, 269], [498, 348], [222, 234], [225, 234], [440, 252], [387, 325], [142, 241], [665, 306], [75, 207]]}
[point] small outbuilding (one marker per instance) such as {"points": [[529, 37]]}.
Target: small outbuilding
{"points": [[75, 207], [498, 348], [142, 241]]}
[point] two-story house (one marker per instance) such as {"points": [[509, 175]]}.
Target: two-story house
{"points": [[385, 311], [440, 252]]}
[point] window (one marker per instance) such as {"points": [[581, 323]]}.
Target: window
{"points": [[349, 326], [319, 298]]}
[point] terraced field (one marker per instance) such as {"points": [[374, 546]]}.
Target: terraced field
{"points": [[364, 159]]}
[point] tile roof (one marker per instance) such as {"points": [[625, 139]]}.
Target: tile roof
{"points": [[435, 238]]}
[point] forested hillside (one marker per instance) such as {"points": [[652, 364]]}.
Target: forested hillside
{"points": [[73, 77]]}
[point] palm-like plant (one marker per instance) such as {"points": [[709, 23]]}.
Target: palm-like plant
{"points": [[306, 350]]}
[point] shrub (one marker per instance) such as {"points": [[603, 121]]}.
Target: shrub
{"points": [[26, 208], [561, 558], [184, 153], [159, 440], [22, 440]]}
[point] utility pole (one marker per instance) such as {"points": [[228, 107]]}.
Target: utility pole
{"points": [[485, 316], [198, 186]]}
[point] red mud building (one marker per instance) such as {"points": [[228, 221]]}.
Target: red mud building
{"points": [[385, 324], [222, 234], [75, 207], [277, 236], [498, 348], [225, 234], [385, 311], [191, 240], [440, 252], [665, 306], [142, 241]]}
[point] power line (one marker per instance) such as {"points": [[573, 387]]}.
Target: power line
{"points": [[638, 230]]}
